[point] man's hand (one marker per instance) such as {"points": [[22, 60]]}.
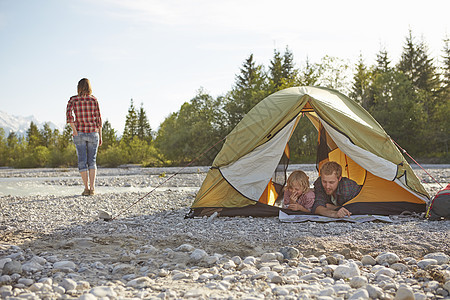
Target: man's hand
{"points": [[343, 212], [328, 212]]}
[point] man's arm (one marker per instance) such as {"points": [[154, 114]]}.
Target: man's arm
{"points": [[329, 211]]}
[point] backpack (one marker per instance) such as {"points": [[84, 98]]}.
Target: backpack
{"points": [[440, 206]]}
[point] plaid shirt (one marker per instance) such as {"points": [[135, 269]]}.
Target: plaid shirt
{"points": [[87, 113], [347, 189]]}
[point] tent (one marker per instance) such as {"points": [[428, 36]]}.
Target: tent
{"points": [[241, 180]]}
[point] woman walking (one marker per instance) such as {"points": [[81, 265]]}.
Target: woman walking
{"points": [[83, 115]]}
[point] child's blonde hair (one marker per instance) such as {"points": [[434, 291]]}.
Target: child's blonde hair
{"points": [[300, 177]]}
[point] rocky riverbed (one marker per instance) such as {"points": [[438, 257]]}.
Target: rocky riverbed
{"points": [[57, 246]]}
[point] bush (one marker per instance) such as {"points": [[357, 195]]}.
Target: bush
{"points": [[112, 157]]}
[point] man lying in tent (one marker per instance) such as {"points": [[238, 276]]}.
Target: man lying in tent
{"points": [[332, 191]]}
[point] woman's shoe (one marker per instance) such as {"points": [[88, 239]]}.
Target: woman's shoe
{"points": [[91, 192], [86, 192]]}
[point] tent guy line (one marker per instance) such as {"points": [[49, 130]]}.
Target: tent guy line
{"points": [[169, 178]]}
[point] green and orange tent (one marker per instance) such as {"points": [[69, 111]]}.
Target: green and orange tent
{"points": [[241, 179]]}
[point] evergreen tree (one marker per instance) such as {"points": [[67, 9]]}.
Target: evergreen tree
{"points": [[417, 66], [34, 136], [131, 124], [288, 68], [361, 84], [3, 148], [144, 131], [109, 135], [250, 88], [442, 112], [383, 62], [309, 75], [282, 72], [65, 139], [48, 136], [446, 65], [276, 71], [399, 111]]}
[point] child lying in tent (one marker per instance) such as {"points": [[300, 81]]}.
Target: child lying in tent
{"points": [[298, 195]]}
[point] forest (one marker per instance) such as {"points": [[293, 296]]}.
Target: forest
{"points": [[409, 98]]}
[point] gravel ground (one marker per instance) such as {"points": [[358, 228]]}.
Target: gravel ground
{"points": [[150, 250]]}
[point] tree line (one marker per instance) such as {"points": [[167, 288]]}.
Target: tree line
{"points": [[410, 99]]}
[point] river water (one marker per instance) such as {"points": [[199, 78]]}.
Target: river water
{"points": [[29, 182], [39, 186]]}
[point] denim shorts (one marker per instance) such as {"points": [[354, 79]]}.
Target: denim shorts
{"points": [[87, 145]]}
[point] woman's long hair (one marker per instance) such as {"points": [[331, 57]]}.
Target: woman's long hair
{"points": [[84, 87]]}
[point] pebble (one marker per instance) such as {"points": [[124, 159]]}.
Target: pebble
{"points": [[153, 253]]}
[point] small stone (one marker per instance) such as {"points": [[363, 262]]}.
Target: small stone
{"points": [[64, 264], [12, 267], [332, 260], [250, 260], [276, 279], [368, 260], [387, 258], [212, 259], [123, 269], [3, 261], [104, 215], [404, 293], [87, 296], [358, 282], [59, 290], [32, 266], [359, 294], [198, 254], [163, 273], [280, 291], [447, 286], [68, 284], [374, 291], [194, 293], [420, 296], [346, 271], [179, 276], [103, 291], [289, 253], [229, 265], [237, 260], [267, 257], [399, 267], [326, 292], [140, 283], [440, 257], [426, 262], [185, 248], [341, 288], [25, 281], [5, 291], [83, 285], [5, 279], [386, 271]]}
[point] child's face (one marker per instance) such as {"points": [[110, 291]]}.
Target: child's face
{"points": [[296, 188]]}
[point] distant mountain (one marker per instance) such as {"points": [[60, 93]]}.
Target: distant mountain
{"points": [[20, 124]]}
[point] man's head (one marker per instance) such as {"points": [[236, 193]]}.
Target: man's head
{"points": [[330, 175]]}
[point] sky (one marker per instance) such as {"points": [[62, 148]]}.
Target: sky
{"points": [[161, 52]]}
